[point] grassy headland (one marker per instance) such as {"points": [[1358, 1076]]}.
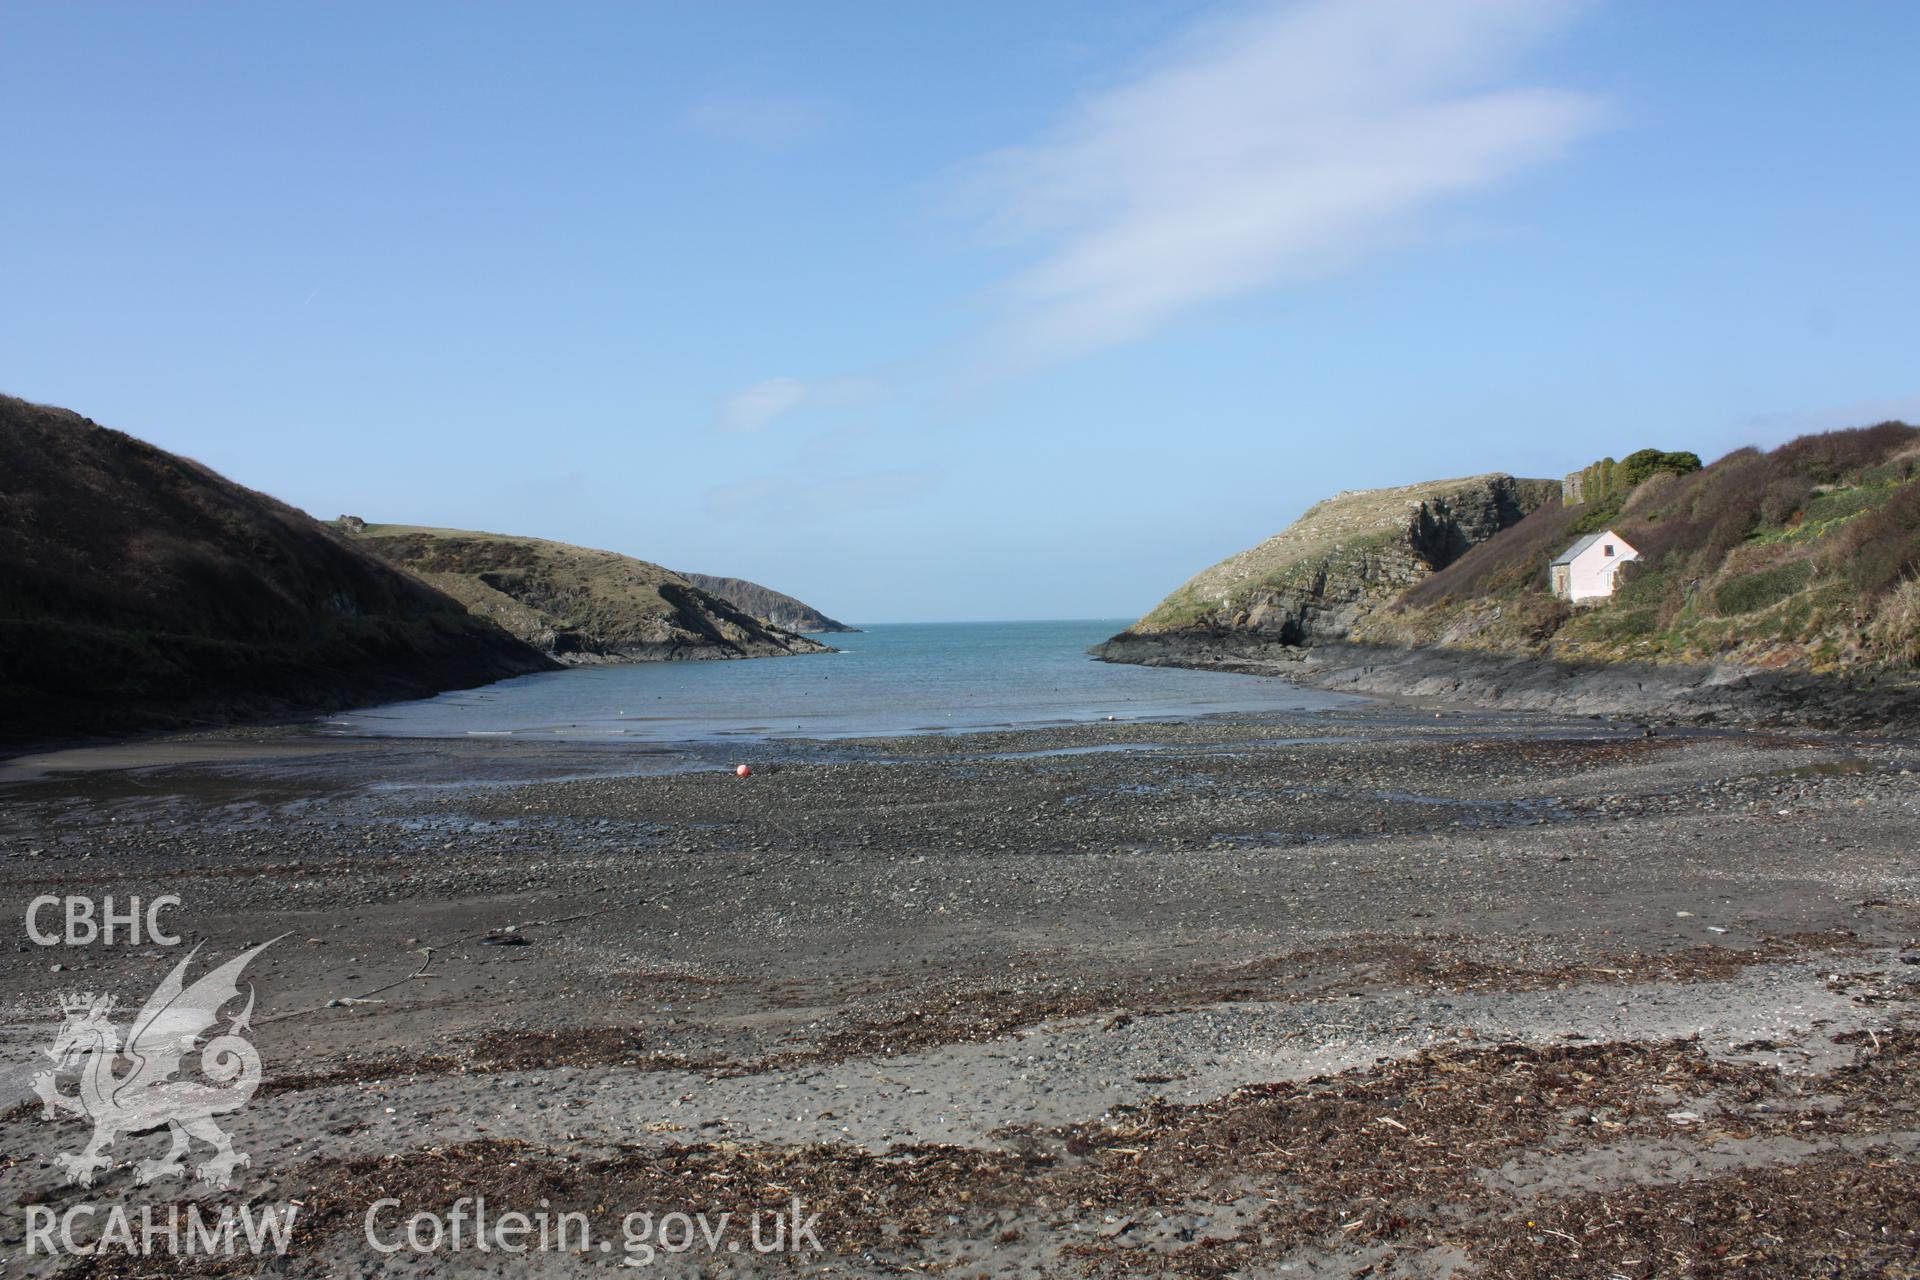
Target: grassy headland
{"points": [[576, 604], [1346, 555]]}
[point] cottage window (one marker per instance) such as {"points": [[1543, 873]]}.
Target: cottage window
{"points": [[1607, 549]]}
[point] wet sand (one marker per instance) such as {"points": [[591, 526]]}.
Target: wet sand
{"points": [[1261, 995]]}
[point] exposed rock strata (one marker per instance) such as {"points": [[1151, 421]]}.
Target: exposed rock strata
{"points": [[1345, 557], [777, 607], [1698, 694]]}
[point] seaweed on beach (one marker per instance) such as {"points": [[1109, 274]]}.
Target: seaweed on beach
{"points": [[1392, 1159], [1836, 1216]]}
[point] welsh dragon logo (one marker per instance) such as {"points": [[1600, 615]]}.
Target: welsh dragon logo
{"points": [[128, 1086]]}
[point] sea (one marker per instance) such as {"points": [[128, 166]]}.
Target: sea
{"points": [[896, 678]]}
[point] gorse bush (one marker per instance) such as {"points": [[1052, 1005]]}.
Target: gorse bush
{"points": [[1751, 592], [1841, 503]]}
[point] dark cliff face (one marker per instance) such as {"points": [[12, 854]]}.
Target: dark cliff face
{"points": [[780, 609], [1343, 559], [1447, 527], [139, 590]]}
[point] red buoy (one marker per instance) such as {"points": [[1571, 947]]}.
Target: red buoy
{"points": [[744, 771]]}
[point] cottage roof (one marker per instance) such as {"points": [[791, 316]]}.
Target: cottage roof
{"points": [[1572, 553]]}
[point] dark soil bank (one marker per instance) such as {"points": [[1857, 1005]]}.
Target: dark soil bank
{"points": [[1382, 993], [140, 590]]}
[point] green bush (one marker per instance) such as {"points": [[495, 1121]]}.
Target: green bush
{"points": [[1632, 624], [1898, 471], [1639, 584], [1841, 503], [1607, 481], [1638, 466], [1751, 592]]}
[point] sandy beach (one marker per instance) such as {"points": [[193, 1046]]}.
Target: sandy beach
{"points": [[1422, 992]]}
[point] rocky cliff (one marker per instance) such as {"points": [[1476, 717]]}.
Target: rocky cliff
{"points": [[1776, 587], [1344, 559], [577, 604], [780, 609], [142, 590], [1803, 558]]}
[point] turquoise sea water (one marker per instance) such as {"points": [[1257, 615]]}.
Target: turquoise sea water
{"points": [[900, 678]]}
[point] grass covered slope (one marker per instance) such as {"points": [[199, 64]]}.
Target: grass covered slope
{"points": [[139, 589], [1805, 557], [777, 607], [577, 604], [1344, 557]]}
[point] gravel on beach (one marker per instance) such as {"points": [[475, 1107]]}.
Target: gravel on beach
{"points": [[1380, 991]]}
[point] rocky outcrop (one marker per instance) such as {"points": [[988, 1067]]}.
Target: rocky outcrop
{"points": [[1654, 693], [1319, 577], [578, 604], [780, 609], [140, 590]]}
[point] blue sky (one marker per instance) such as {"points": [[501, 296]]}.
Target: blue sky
{"points": [[929, 311]]}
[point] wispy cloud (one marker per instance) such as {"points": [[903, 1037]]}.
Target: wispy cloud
{"points": [[1273, 141], [1276, 142], [759, 405]]}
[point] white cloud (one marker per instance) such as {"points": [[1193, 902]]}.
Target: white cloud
{"points": [[1277, 142], [759, 404]]}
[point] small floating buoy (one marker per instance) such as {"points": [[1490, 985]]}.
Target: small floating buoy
{"points": [[744, 771]]}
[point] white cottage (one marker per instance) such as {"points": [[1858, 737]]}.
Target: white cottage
{"points": [[1585, 570]]}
